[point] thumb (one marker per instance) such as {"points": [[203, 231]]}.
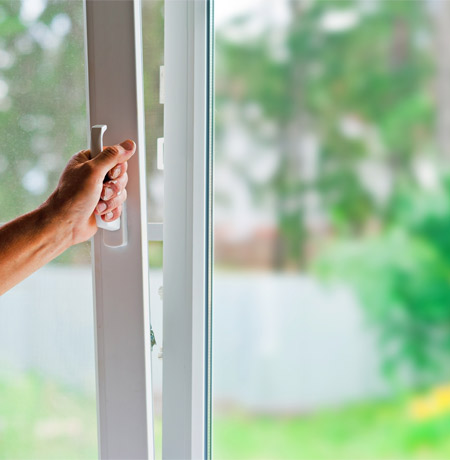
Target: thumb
{"points": [[113, 155]]}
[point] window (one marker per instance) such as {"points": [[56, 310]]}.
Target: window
{"points": [[122, 346], [47, 352], [331, 206]]}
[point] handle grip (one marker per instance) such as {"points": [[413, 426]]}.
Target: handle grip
{"points": [[116, 234], [97, 132]]}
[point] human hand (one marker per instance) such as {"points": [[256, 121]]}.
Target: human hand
{"points": [[81, 192]]}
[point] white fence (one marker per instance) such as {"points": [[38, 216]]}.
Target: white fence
{"points": [[282, 343]]}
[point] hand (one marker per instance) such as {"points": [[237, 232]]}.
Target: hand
{"points": [[81, 191]]}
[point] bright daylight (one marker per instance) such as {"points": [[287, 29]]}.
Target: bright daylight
{"points": [[325, 276]]}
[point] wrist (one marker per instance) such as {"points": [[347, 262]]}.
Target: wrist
{"points": [[55, 226], [72, 224]]}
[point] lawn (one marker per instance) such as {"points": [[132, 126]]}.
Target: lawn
{"points": [[366, 431], [41, 420]]}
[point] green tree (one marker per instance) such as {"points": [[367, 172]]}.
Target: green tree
{"points": [[374, 72], [402, 277], [43, 114]]}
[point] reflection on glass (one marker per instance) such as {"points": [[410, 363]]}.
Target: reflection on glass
{"points": [[47, 373], [332, 195]]}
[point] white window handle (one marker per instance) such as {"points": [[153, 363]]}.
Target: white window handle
{"points": [[116, 235]]}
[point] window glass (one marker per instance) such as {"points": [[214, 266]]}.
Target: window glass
{"points": [[332, 199], [47, 361], [153, 51]]}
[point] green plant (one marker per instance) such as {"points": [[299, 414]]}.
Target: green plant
{"points": [[402, 277]]}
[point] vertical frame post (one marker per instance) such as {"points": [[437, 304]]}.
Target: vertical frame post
{"points": [[122, 318], [186, 230]]}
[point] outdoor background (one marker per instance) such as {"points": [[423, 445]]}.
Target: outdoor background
{"points": [[331, 334]]}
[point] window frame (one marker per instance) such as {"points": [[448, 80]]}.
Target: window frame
{"points": [[121, 291], [187, 229], [123, 355]]}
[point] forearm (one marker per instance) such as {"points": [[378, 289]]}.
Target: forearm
{"points": [[68, 216], [29, 242]]}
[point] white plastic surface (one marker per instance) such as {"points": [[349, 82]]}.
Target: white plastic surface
{"points": [[121, 278], [186, 290], [160, 153]]}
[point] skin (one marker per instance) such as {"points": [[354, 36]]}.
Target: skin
{"points": [[68, 216]]}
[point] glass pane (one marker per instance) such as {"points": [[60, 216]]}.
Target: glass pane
{"points": [[332, 200], [156, 305], [47, 364], [153, 49]]}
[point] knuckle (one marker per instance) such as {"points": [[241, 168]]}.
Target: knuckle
{"points": [[123, 196], [80, 153], [111, 189], [120, 184], [115, 188], [112, 214], [114, 202], [88, 168], [111, 151], [114, 172]]}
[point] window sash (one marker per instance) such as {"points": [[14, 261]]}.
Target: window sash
{"points": [[122, 317], [186, 258]]}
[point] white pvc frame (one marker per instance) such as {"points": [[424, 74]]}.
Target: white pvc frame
{"points": [[114, 51], [122, 317], [186, 257]]}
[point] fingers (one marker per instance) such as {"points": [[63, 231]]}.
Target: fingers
{"points": [[112, 163], [82, 156], [112, 215], [118, 171], [113, 188], [111, 156], [105, 207]]}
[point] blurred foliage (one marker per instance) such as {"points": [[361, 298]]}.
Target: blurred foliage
{"points": [[366, 94], [309, 83], [153, 58], [155, 254], [402, 276], [42, 114]]}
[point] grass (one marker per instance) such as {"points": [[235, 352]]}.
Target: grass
{"points": [[40, 420], [366, 431]]}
